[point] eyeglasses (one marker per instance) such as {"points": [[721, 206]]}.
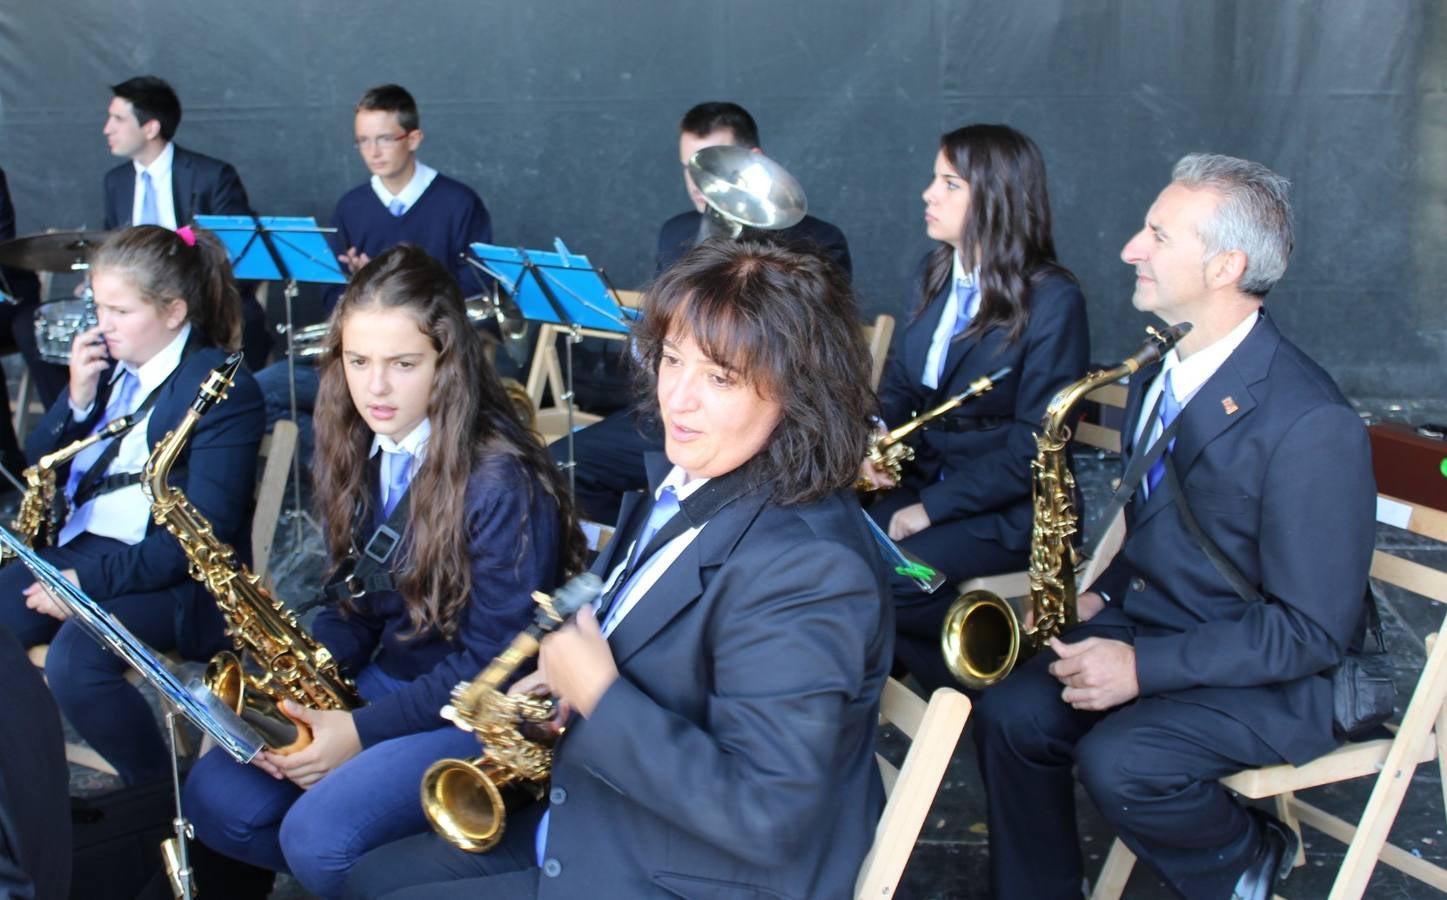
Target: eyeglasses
{"points": [[382, 142]]}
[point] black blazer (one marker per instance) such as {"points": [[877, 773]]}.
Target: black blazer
{"points": [[734, 756], [200, 185], [1277, 468], [680, 233], [984, 468], [20, 283], [216, 470]]}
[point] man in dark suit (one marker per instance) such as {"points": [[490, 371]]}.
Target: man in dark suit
{"points": [[166, 184], [726, 694], [1176, 679], [609, 454]]}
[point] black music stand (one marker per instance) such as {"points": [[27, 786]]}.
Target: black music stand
{"points": [[557, 288], [291, 249]]}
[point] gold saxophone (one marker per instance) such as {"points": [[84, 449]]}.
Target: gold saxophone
{"points": [[888, 451], [36, 519], [983, 637], [288, 663], [464, 799]]}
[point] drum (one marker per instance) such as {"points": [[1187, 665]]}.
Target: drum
{"points": [[56, 325]]}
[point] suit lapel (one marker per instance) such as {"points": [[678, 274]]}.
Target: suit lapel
{"points": [[682, 583], [183, 186], [1221, 402]]}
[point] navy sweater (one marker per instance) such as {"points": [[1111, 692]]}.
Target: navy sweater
{"points": [[444, 221], [509, 562]]}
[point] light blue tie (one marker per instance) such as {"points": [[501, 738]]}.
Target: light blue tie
{"points": [[967, 297], [399, 476], [150, 212], [664, 509], [121, 402], [1170, 408], [396, 207]]}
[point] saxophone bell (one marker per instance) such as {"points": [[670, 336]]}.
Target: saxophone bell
{"points": [[983, 637]]}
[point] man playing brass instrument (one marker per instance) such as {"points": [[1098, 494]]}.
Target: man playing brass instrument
{"points": [[1178, 679]]}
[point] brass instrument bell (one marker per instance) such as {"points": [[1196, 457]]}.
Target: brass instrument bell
{"points": [[745, 189]]}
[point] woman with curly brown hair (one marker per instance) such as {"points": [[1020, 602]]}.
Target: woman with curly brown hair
{"points": [[445, 513]]}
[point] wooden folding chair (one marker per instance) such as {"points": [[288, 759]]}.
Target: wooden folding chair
{"points": [[278, 448], [934, 730], [1420, 738], [878, 336]]}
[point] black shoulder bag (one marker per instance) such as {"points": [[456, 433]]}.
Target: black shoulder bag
{"points": [[1363, 692]]}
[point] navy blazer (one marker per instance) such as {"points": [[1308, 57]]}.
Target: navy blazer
{"points": [[1277, 469], [200, 185], [512, 533], [964, 474], [734, 755], [680, 233], [216, 470]]}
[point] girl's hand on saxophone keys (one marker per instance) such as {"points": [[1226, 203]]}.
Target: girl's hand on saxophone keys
{"points": [[39, 598]]}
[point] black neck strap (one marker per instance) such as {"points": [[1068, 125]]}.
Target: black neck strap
{"points": [[94, 481]]}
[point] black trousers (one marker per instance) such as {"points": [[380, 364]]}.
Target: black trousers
{"points": [[954, 549], [425, 867], [609, 457], [1150, 767]]}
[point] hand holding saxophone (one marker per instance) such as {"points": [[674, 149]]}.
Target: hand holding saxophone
{"points": [[334, 741], [576, 663], [1098, 673]]}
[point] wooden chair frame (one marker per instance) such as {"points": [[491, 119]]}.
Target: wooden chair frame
{"points": [[934, 729], [1420, 738]]}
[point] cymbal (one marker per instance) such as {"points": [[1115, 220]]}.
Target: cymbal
{"points": [[56, 251], [746, 188]]}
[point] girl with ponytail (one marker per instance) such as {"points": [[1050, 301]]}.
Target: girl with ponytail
{"points": [[168, 313]]}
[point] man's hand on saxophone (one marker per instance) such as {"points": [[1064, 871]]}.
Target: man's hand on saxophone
{"points": [[39, 598], [334, 741]]}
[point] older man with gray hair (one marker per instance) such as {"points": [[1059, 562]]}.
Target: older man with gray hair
{"points": [[1204, 645]]}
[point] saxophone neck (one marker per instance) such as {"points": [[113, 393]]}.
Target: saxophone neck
{"points": [[49, 461], [163, 457], [977, 387]]}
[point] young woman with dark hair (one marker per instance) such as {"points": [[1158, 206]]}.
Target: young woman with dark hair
{"points": [[411, 418], [726, 694], [168, 312], [991, 294]]}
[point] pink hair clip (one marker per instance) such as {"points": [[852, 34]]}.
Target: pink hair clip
{"points": [[186, 234]]}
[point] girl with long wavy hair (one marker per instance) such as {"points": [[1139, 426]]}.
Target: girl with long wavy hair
{"points": [[168, 312], [422, 464], [990, 294]]}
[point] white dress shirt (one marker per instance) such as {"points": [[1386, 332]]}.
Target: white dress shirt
{"points": [[421, 178], [939, 346], [414, 445], [1187, 377], [160, 169], [653, 567], [124, 514]]}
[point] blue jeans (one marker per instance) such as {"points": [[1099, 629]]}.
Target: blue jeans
{"points": [[276, 394], [317, 834]]}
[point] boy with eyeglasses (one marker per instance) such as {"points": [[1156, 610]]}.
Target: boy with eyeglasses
{"points": [[405, 201]]}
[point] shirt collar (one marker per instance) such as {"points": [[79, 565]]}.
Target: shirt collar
{"points": [[161, 165], [422, 176], [1195, 370], [674, 480], [414, 444], [158, 368], [960, 275]]}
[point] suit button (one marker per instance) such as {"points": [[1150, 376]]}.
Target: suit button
{"points": [[557, 796], [1137, 584], [552, 868]]}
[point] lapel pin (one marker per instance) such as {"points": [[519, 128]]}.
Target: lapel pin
{"points": [[1229, 405]]}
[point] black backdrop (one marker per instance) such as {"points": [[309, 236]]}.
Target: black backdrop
{"points": [[562, 114]]}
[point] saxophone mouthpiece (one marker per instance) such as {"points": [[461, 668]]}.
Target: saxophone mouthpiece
{"points": [[579, 590], [213, 389], [1158, 343], [998, 374]]}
